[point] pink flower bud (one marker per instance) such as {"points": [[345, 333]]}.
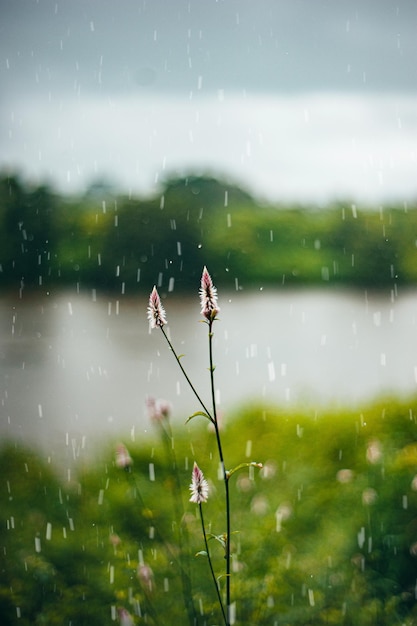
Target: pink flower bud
{"points": [[158, 410], [208, 297], [125, 618], [146, 577], [156, 312], [123, 458], [199, 486]]}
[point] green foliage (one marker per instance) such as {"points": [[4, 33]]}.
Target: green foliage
{"points": [[128, 244], [325, 533]]}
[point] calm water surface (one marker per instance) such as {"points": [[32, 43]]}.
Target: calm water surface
{"points": [[76, 368]]}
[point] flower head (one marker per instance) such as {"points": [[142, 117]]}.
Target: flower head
{"points": [[125, 617], [158, 410], [208, 296], [156, 312], [123, 458], [146, 577], [199, 486]]}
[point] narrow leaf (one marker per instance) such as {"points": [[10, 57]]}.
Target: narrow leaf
{"points": [[242, 466], [199, 413]]}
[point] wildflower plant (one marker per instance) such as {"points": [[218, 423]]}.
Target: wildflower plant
{"points": [[199, 486]]}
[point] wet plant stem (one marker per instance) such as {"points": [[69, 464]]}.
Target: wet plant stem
{"points": [[211, 564], [193, 389], [224, 472], [212, 416]]}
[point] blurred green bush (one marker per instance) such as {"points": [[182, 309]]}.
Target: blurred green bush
{"points": [[111, 241], [325, 533]]}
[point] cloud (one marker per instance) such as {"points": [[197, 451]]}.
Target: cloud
{"points": [[307, 147], [274, 46]]}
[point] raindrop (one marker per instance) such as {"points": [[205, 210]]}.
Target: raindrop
{"points": [[361, 537], [377, 316]]}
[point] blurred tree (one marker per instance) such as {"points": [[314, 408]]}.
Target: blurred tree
{"points": [[27, 232], [128, 244]]}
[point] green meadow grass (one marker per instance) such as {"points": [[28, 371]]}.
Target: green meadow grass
{"points": [[325, 533]]}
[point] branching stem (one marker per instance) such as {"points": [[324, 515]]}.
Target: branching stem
{"points": [[225, 476], [211, 564]]}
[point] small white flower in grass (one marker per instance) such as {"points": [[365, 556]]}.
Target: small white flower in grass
{"points": [[156, 312], [374, 452], [345, 476], [199, 486], [208, 297], [369, 496]]}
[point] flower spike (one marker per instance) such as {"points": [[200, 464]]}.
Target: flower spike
{"points": [[208, 297], [156, 312], [199, 486]]}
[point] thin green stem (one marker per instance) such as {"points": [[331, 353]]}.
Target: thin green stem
{"points": [[225, 476], [211, 564], [193, 389], [213, 417]]}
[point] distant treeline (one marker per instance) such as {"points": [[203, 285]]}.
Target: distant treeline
{"points": [[127, 244]]}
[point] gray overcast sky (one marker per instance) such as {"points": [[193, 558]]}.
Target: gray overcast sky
{"points": [[296, 98]]}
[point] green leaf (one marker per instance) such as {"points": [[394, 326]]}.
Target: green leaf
{"points": [[197, 413], [220, 538], [242, 466], [201, 553]]}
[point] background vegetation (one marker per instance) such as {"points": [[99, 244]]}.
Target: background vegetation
{"points": [[327, 531], [117, 242]]}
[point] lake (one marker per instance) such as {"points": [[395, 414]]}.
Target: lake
{"points": [[77, 368]]}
